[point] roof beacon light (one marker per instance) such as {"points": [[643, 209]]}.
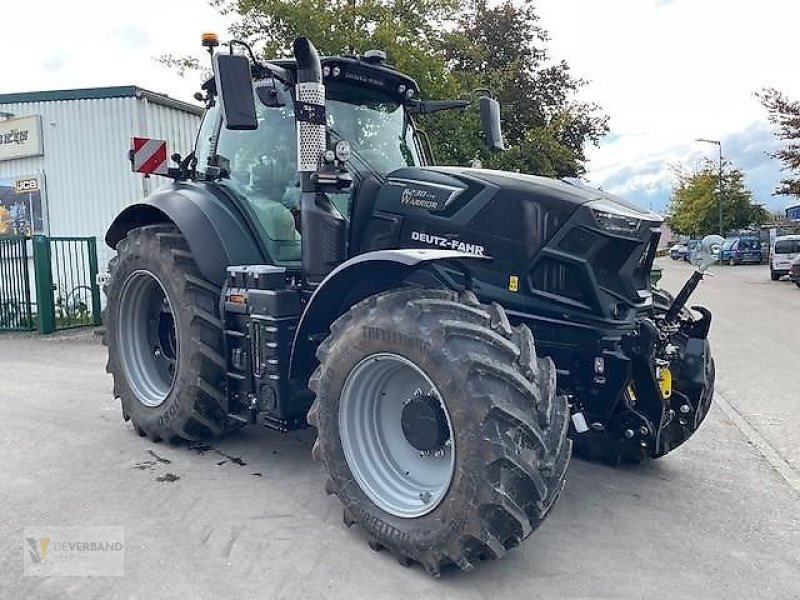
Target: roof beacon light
{"points": [[210, 40]]}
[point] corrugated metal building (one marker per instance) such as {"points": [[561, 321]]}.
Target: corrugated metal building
{"points": [[71, 147]]}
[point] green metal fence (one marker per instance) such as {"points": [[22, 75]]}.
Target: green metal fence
{"points": [[64, 278], [16, 306], [66, 282]]}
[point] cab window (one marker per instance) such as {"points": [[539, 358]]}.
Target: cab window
{"points": [[261, 167]]}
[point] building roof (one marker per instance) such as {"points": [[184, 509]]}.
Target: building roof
{"points": [[122, 91]]}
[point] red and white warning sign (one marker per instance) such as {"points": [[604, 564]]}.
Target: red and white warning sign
{"points": [[149, 156]]}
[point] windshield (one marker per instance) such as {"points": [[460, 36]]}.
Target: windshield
{"points": [[787, 246], [379, 130], [748, 244]]}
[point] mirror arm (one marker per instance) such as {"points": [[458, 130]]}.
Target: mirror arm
{"points": [[427, 107], [260, 69], [246, 46]]}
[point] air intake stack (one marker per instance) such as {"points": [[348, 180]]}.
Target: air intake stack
{"points": [[324, 230]]}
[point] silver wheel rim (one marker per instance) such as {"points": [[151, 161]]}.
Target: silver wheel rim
{"points": [[147, 338], [398, 478]]}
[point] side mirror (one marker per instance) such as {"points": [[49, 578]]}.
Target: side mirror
{"points": [[269, 96], [709, 251], [235, 91], [490, 122]]}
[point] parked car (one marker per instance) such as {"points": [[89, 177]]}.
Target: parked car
{"points": [[692, 246], [785, 249], [794, 271], [741, 250], [678, 252]]}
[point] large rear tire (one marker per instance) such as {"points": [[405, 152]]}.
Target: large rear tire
{"points": [[441, 430], [165, 339]]}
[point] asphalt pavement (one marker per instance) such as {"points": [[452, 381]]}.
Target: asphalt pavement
{"points": [[247, 516], [755, 338]]}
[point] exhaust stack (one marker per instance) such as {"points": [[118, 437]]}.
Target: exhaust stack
{"points": [[309, 110], [324, 230]]}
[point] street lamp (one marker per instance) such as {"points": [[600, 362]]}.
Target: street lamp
{"points": [[719, 144]]}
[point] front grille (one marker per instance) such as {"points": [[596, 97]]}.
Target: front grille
{"points": [[561, 279], [578, 241], [609, 263]]}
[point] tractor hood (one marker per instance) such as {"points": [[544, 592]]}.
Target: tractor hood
{"points": [[553, 240], [569, 193]]}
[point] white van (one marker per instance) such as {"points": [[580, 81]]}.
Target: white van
{"points": [[784, 251]]}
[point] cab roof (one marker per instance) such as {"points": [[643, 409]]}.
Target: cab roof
{"points": [[370, 73]]}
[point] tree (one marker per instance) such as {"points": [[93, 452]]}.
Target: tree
{"points": [[785, 114], [694, 206], [503, 48], [407, 30], [451, 47]]}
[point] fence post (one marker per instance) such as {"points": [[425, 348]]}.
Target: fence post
{"points": [[26, 283], [43, 272], [96, 316]]}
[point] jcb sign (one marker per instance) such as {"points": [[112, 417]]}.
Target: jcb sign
{"points": [[25, 186]]}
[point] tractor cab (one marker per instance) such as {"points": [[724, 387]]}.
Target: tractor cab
{"points": [[365, 117], [355, 128]]}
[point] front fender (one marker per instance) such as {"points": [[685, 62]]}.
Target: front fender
{"points": [[216, 233], [349, 283]]}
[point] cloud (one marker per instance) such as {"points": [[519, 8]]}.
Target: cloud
{"points": [[648, 179], [131, 37], [668, 72], [55, 63], [118, 52], [748, 148]]}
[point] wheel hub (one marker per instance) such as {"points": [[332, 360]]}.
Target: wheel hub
{"points": [[424, 423], [147, 338], [397, 440]]}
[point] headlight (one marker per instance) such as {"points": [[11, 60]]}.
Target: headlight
{"points": [[343, 151], [615, 218]]}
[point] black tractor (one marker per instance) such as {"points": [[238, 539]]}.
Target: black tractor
{"points": [[446, 330]]}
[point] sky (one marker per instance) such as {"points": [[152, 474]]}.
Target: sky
{"points": [[671, 71], [665, 71]]}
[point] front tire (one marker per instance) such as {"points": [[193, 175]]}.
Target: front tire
{"points": [[499, 434], [774, 276], [165, 338]]}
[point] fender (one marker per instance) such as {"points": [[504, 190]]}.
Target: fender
{"points": [[351, 282], [217, 234]]}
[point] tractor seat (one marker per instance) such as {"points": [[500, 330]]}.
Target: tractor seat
{"points": [[283, 241]]}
